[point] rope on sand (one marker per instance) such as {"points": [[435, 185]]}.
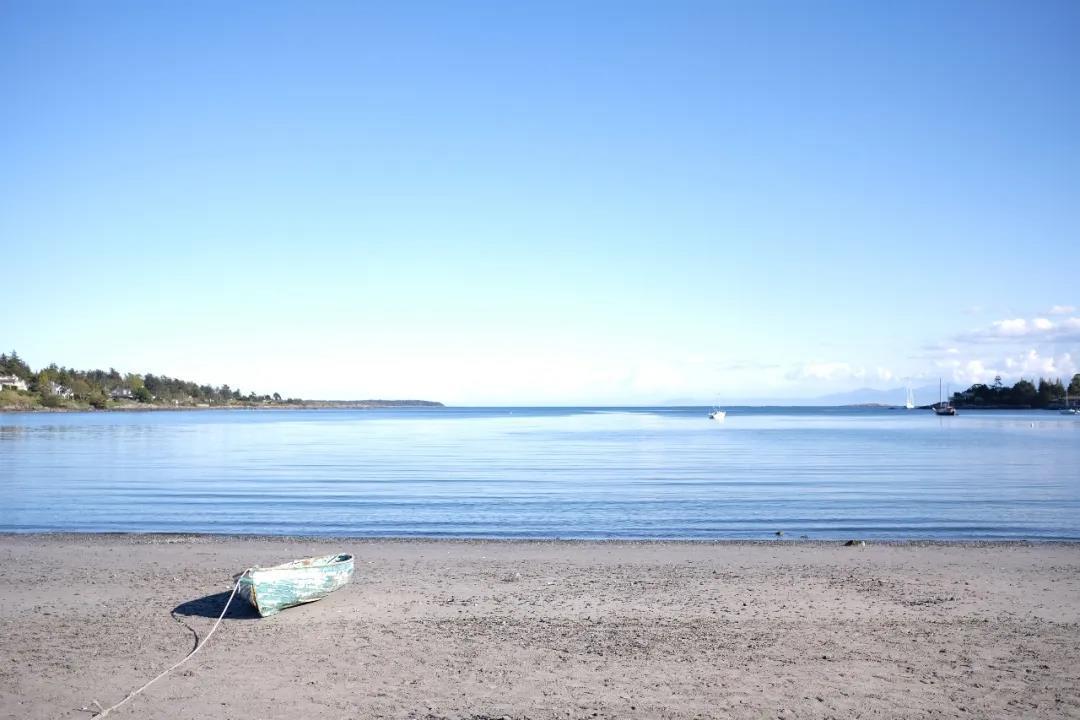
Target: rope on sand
{"points": [[199, 646]]}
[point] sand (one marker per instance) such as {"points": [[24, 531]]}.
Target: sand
{"points": [[442, 629]]}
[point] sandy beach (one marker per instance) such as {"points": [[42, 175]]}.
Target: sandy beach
{"points": [[448, 629]]}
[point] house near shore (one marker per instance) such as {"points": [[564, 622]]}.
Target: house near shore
{"points": [[121, 393], [10, 382], [62, 391]]}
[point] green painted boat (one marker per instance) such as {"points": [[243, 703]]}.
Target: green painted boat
{"points": [[272, 589]]}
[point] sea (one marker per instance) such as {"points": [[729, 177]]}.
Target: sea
{"points": [[574, 472]]}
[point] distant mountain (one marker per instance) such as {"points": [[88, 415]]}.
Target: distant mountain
{"points": [[896, 396], [863, 396]]}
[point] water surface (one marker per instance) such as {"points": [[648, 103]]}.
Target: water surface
{"points": [[544, 472]]}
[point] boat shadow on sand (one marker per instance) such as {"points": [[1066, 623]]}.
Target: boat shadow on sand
{"points": [[210, 606]]}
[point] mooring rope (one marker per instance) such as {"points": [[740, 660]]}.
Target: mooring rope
{"points": [[198, 646]]}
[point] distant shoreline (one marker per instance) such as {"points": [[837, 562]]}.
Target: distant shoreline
{"points": [[144, 538], [304, 405], [390, 404]]}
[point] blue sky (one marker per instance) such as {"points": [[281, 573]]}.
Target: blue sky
{"points": [[610, 202]]}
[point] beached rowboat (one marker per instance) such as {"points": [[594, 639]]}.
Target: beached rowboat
{"points": [[273, 589]]}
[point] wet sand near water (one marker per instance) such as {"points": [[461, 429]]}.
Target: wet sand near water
{"points": [[552, 630]]}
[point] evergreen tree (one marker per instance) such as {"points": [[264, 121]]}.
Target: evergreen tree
{"points": [[1023, 394], [13, 365], [1051, 392]]}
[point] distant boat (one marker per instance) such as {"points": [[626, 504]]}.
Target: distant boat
{"points": [[910, 404], [1067, 410], [942, 407], [717, 414], [273, 589]]}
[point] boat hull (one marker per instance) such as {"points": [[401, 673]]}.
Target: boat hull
{"points": [[271, 590]]}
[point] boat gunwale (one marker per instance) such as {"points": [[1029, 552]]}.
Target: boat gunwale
{"points": [[339, 559]]}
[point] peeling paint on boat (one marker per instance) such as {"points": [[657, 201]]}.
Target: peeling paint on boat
{"points": [[273, 589]]}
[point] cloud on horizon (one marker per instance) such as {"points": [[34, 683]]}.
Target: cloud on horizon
{"points": [[1027, 329], [1028, 363]]}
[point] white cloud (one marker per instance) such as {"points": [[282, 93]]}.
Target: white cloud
{"points": [[1019, 326], [1031, 363], [1062, 309], [1040, 328], [973, 371], [885, 374], [1028, 363]]}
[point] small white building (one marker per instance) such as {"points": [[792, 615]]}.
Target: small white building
{"points": [[120, 393], [60, 390], [10, 382]]}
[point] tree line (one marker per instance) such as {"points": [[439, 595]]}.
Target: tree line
{"points": [[57, 386], [1048, 393]]}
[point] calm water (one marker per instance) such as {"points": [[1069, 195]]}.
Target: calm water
{"points": [[525, 472]]}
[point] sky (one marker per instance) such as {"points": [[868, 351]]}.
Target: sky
{"points": [[543, 202]]}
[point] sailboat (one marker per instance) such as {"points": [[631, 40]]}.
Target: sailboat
{"points": [[1067, 410], [716, 413], [910, 404], [943, 408]]}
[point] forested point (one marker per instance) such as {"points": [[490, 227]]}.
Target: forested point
{"points": [[1049, 393], [56, 387]]}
